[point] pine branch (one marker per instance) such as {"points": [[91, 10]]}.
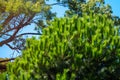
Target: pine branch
{"points": [[6, 60]]}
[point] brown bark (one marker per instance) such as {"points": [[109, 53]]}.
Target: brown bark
{"points": [[6, 60], [3, 67], [24, 22]]}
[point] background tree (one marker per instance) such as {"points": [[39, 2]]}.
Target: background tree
{"points": [[17, 14], [77, 48], [80, 7]]}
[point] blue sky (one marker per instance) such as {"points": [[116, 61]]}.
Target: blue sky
{"points": [[115, 4], [6, 52]]}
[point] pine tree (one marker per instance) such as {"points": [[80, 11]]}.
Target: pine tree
{"points": [[17, 14], [77, 48]]}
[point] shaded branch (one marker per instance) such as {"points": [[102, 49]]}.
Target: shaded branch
{"points": [[23, 21], [18, 48], [6, 60], [28, 34], [2, 67], [11, 46], [21, 25], [8, 19], [9, 39], [8, 30]]}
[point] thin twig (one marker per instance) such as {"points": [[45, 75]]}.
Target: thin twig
{"points": [[28, 34]]}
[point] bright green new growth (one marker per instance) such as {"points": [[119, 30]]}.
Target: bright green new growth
{"points": [[85, 48]]}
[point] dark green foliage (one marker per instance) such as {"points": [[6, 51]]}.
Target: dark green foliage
{"points": [[81, 7], [86, 48]]}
